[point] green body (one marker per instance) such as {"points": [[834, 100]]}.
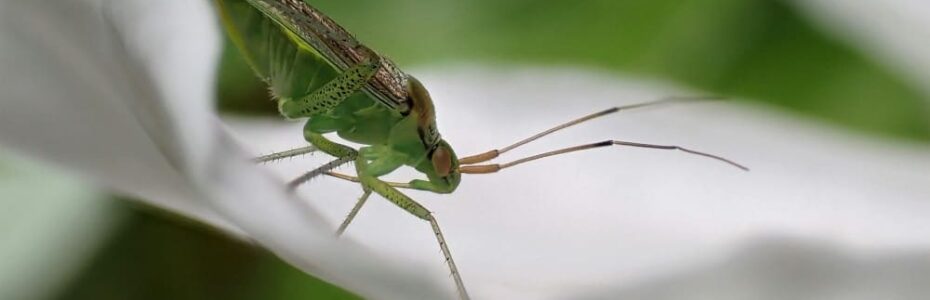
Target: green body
{"points": [[318, 71]]}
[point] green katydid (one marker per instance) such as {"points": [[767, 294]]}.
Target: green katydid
{"points": [[317, 70]]}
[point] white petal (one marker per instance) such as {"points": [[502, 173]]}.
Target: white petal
{"points": [[74, 96], [782, 268], [180, 41], [121, 93], [611, 218]]}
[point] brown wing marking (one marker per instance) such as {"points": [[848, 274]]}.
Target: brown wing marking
{"points": [[332, 41]]}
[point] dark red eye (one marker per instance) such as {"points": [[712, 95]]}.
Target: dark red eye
{"points": [[442, 162]]}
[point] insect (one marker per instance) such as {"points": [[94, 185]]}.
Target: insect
{"points": [[317, 71]]}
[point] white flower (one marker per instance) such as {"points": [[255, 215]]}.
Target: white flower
{"points": [[121, 94], [620, 221]]}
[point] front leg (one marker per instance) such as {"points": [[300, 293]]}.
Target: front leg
{"points": [[414, 208], [329, 95], [373, 184]]}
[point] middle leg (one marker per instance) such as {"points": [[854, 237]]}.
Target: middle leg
{"points": [[344, 154]]}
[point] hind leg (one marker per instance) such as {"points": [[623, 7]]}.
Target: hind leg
{"points": [[329, 95], [323, 100]]}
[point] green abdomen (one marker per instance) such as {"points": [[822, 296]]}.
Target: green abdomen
{"points": [[359, 119]]}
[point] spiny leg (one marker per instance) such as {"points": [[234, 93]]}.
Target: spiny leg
{"points": [[344, 154], [459, 284], [331, 94], [324, 100], [414, 208], [361, 200], [284, 154], [317, 172], [353, 213], [489, 155], [492, 168]]}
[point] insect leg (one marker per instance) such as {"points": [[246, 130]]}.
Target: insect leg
{"points": [[317, 172], [344, 154], [323, 100], [285, 154], [354, 212], [329, 95], [403, 201], [402, 185]]}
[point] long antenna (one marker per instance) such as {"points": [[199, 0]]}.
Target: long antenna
{"points": [[493, 168], [489, 155]]}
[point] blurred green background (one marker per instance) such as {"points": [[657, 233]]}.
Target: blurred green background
{"points": [[764, 50]]}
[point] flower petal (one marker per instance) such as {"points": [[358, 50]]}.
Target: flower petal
{"points": [[120, 92], [70, 99], [611, 218]]}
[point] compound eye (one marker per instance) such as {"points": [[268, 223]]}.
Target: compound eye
{"points": [[442, 162]]}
